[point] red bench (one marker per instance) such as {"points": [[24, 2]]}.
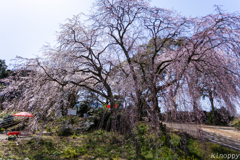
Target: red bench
{"points": [[17, 133]]}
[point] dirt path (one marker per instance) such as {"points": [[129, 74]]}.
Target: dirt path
{"points": [[3, 136], [222, 135], [193, 129], [230, 132]]}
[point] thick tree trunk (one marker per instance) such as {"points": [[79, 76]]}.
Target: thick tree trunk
{"points": [[174, 110], [195, 111], [1, 106], [1, 101], [140, 110], [156, 109], [212, 106]]}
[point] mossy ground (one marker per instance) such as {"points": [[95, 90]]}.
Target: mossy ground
{"points": [[100, 144], [105, 145]]}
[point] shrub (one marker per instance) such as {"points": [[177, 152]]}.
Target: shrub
{"points": [[69, 153], [236, 124], [74, 136], [39, 156], [48, 129], [83, 108], [56, 153], [12, 137], [82, 150], [74, 120], [8, 116], [99, 132], [31, 142], [142, 128], [175, 139], [65, 132], [221, 117], [64, 129], [55, 129]]}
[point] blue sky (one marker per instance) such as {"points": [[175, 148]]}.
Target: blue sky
{"points": [[26, 25]]}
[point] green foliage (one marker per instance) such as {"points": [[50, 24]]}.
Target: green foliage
{"points": [[104, 106], [73, 120], [69, 153], [46, 143], [74, 136], [64, 132], [166, 153], [101, 116], [64, 129], [99, 132], [101, 144], [3, 69], [142, 128], [12, 137], [152, 142], [175, 139], [56, 153], [236, 124], [221, 117], [82, 150], [31, 142], [215, 148], [48, 129], [62, 119], [55, 129], [8, 116], [83, 108], [2, 129], [3, 66], [195, 149], [40, 156], [2, 87]]}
